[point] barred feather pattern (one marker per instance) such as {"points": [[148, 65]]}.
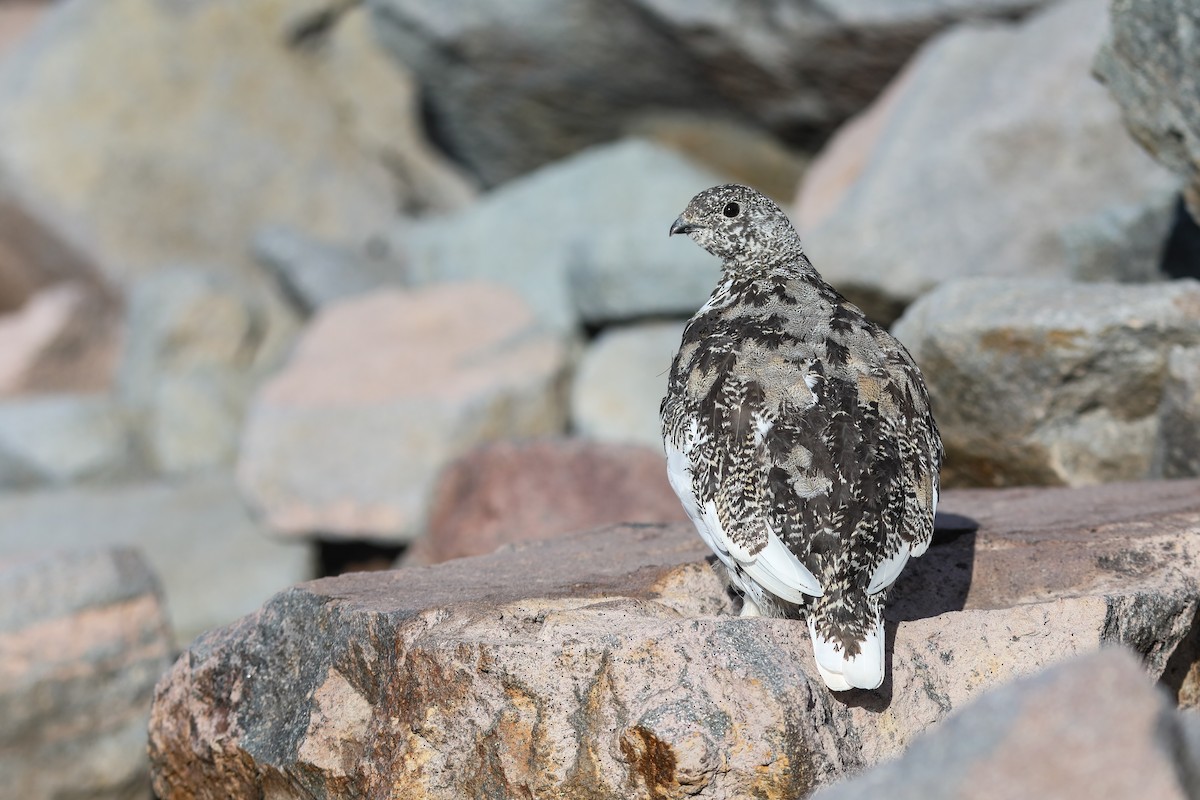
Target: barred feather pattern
{"points": [[798, 416]]}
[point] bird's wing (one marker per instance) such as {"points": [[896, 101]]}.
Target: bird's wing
{"points": [[728, 483]]}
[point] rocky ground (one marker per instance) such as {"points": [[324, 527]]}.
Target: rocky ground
{"points": [[291, 286]]}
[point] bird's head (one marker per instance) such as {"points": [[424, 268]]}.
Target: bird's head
{"points": [[737, 224]]}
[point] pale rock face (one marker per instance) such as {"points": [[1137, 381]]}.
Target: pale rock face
{"points": [[1149, 61], [113, 112], [382, 391], [1044, 382], [1033, 173], [621, 379], [215, 561], [581, 240], [608, 664], [83, 637]]}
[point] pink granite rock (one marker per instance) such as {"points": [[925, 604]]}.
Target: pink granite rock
{"points": [[608, 665], [64, 339], [382, 391], [83, 638], [519, 491]]}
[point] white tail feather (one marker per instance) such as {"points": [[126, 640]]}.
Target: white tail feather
{"points": [[863, 671]]}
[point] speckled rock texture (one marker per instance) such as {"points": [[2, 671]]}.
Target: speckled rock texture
{"points": [[1150, 60], [1037, 382], [608, 664], [1093, 728]]}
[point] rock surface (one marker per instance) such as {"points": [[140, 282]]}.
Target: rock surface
{"points": [[314, 274], [605, 664], [83, 638], [1149, 61], [216, 563], [1044, 382], [65, 338], [60, 439], [521, 491], [1094, 727], [513, 88], [575, 239], [1015, 186], [381, 392], [1177, 448], [198, 343], [620, 381], [307, 122]]}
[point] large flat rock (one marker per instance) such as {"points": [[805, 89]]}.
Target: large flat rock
{"points": [[608, 664]]}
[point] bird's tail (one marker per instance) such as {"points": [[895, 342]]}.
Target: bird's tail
{"points": [[863, 670]]}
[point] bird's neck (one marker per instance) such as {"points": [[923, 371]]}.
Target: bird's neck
{"points": [[784, 263]]}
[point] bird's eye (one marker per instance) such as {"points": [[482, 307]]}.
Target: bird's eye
{"points": [[731, 210]]}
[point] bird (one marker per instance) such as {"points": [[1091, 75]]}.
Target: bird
{"points": [[798, 436]]}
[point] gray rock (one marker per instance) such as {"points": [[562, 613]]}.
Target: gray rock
{"points": [[1177, 447], [1092, 727], [216, 563], [307, 122], [513, 88], [1038, 381], [61, 439], [83, 638], [607, 664], [620, 381], [1149, 61], [381, 392], [1033, 173], [314, 273], [197, 345], [587, 236]]}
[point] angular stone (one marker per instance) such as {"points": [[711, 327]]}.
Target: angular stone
{"points": [[1044, 382], [1177, 447], [314, 273], [215, 561], [1015, 186], [606, 665], [1090, 728], [64, 339], [513, 88], [307, 122], [515, 492], [83, 638], [381, 392], [61, 439], [1149, 61], [198, 344], [620, 382], [574, 240]]}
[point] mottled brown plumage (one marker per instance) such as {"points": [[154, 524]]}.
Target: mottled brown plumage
{"points": [[799, 437]]}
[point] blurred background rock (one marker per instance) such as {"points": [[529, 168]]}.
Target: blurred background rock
{"points": [[288, 285]]}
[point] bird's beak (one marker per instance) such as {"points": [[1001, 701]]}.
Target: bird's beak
{"points": [[679, 226]]}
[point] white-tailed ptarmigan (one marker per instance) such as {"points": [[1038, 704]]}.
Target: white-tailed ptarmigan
{"points": [[798, 437]]}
